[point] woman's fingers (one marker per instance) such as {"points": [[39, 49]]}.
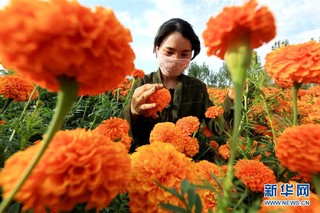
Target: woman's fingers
{"points": [[139, 97]]}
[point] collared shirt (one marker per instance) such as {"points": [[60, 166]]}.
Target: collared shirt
{"points": [[190, 98]]}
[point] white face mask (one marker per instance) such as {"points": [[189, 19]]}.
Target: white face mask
{"points": [[172, 67]]}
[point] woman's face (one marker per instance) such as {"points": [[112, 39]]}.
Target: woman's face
{"points": [[174, 54]]}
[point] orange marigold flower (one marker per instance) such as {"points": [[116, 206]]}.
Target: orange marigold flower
{"points": [[260, 129], [188, 125], [207, 132], [162, 98], [299, 63], [157, 162], [224, 151], [204, 172], [249, 20], [214, 145], [115, 129], [137, 73], [17, 88], [254, 174], [77, 167], [298, 148], [214, 111], [61, 38], [167, 132]]}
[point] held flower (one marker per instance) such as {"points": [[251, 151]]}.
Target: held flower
{"points": [[61, 38], [79, 166], [162, 98]]}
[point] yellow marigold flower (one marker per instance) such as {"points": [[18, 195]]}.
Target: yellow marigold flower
{"points": [[61, 38], [137, 73], [188, 125], [115, 129], [297, 63], [167, 132], [77, 167], [234, 22], [17, 88], [158, 162], [254, 174], [214, 111], [298, 148], [162, 98]]}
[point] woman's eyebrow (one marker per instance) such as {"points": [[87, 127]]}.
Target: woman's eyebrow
{"points": [[173, 49]]}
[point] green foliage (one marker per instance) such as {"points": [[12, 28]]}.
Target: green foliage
{"points": [[201, 72], [187, 196], [221, 79]]}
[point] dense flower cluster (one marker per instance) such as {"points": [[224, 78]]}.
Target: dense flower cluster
{"points": [[214, 111], [254, 174], [205, 171], [168, 132], [296, 63], [157, 162], [137, 73], [298, 148], [79, 166], [188, 125], [238, 21], [17, 88], [162, 98], [64, 39], [115, 129]]}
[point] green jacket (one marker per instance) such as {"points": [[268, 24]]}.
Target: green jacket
{"points": [[190, 98]]}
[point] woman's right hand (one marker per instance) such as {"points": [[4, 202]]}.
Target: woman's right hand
{"points": [[139, 97]]}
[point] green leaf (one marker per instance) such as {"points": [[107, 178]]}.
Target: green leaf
{"points": [[198, 204], [191, 197], [14, 208], [173, 208], [171, 190], [185, 185]]}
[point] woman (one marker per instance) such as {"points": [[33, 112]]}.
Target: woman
{"points": [[175, 45]]}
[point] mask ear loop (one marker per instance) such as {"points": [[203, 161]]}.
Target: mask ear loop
{"points": [[156, 51]]}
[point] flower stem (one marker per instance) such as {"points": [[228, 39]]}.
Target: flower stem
{"points": [[9, 100], [295, 89], [66, 97], [238, 58]]}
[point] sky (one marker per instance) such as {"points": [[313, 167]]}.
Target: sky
{"points": [[296, 20]]}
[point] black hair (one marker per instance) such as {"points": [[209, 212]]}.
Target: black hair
{"points": [[181, 26]]}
